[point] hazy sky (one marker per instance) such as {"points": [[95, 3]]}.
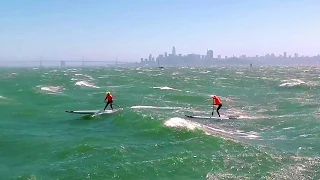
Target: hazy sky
{"points": [[131, 29]]}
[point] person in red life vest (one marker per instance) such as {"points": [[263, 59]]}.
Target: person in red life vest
{"points": [[109, 99], [216, 101]]}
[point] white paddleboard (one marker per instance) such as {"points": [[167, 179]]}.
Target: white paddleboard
{"points": [[211, 117], [94, 111], [106, 112]]}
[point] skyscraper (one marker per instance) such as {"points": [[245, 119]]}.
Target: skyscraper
{"points": [[285, 54], [150, 57], [174, 51], [209, 54]]}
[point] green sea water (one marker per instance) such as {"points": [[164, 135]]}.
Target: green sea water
{"points": [[277, 134]]}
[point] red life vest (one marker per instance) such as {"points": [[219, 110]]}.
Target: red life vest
{"points": [[216, 100], [109, 98]]}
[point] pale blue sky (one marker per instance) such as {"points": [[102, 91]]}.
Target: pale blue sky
{"points": [[130, 29]]}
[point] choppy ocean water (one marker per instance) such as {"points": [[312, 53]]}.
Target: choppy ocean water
{"points": [[277, 134]]}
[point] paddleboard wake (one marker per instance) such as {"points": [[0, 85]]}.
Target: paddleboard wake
{"points": [[211, 117]]}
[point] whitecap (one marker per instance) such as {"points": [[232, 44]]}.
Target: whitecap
{"points": [[154, 107], [291, 83], [204, 72], [85, 84], [166, 88], [182, 123], [287, 128], [52, 89]]}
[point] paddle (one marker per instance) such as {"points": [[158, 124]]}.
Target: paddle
{"points": [[212, 110], [116, 105], [112, 104]]}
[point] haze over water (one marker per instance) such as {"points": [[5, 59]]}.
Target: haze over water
{"points": [[276, 136]]}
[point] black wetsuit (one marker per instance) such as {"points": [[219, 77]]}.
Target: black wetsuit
{"points": [[219, 106], [109, 102]]}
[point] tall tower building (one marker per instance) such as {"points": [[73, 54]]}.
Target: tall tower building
{"points": [[285, 54], [174, 53], [210, 54]]}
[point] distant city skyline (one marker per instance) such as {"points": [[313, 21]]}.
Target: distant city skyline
{"points": [[177, 59], [106, 30], [210, 53]]}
